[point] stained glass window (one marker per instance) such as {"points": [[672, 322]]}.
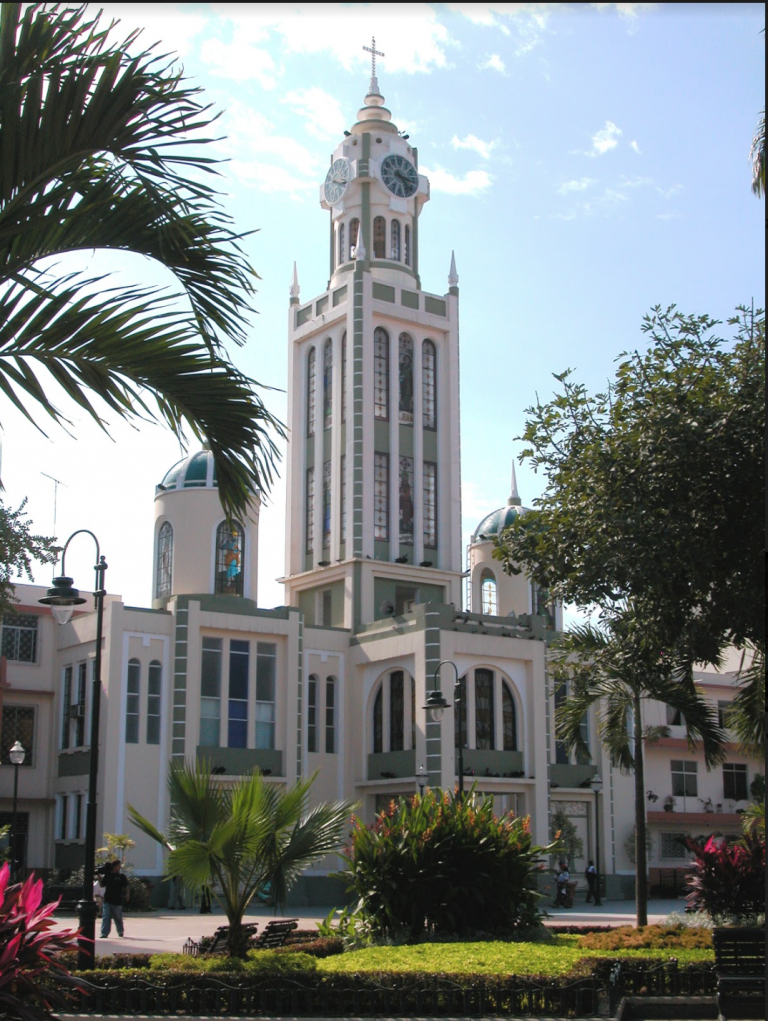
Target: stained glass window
{"points": [[309, 523], [428, 362], [230, 540], [509, 719], [406, 501], [395, 241], [380, 373], [488, 595], [311, 392], [164, 561], [484, 709], [405, 374], [154, 697], [342, 250], [379, 237], [328, 384], [407, 245], [430, 505], [343, 499], [326, 504], [381, 497], [133, 687]]}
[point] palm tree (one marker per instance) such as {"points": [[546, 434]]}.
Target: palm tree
{"points": [[757, 155], [95, 153], [236, 838], [616, 668]]}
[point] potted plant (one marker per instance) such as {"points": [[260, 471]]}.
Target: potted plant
{"points": [[669, 803]]}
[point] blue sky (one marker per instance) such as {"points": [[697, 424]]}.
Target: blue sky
{"points": [[587, 161]]}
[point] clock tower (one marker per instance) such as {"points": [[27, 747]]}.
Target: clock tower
{"points": [[373, 460]]}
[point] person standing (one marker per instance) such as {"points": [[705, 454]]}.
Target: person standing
{"points": [[591, 875], [116, 893]]}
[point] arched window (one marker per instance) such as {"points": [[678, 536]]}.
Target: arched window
{"points": [[407, 245], [394, 247], [164, 561], [484, 714], [379, 237], [343, 377], [328, 384], [342, 250], [509, 719], [380, 373], [312, 713], [330, 715], [428, 376], [154, 697], [394, 703], [488, 594], [230, 541], [311, 373], [405, 372], [133, 689], [309, 508], [460, 716], [354, 230], [378, 721]]}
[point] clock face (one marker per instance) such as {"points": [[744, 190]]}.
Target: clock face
{"points": [[399, 175], [336, 181]]}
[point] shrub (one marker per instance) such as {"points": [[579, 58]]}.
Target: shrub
{"points": [[728, 880], [442, 866], [651, 937]]}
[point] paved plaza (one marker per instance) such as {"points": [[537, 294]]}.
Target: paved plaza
{"points": [[165, 930]]}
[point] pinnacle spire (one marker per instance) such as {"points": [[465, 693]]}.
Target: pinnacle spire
{"points": [[514, 496], [295, 290], [453, 276]]}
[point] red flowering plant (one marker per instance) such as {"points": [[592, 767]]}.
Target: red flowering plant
{"points": [[728, 880], [27, 942]]}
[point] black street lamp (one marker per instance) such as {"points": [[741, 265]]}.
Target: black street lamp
{"points": [[62, 599], [436, 704], [421, 780], [597, 785], [16, 755]]}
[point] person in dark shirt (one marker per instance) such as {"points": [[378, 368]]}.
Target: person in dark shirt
{"points": [[116, 892]]}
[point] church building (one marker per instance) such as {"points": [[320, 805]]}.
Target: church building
{"points": [[382, 604]]}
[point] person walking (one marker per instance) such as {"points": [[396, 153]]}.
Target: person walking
{"points": [[116, 893], [591, 875], [562, 900]]}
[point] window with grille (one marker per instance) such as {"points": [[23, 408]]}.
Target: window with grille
{"points": [[154, 701], [164, 561], [391, 730], [311, 382], [396, 711], [395, 241], [19, 640], [342, 249], [428, 379], [379, 237], [230, 543], [18, 724], [328, 384], [210, 692], [430, 505], [343, 377], [407, 245], [460, 714], [326, 504], [685, 782], [330, 715], [309, 508], [484, 717], [405, 500], [405, 372], [78, 710], [343, 498], [132, 702], [66, 705], [734, 781], [266, 674], [509, 719], [380, 374], [312, 713], [239, 659], [673, 846], [381, 496]]}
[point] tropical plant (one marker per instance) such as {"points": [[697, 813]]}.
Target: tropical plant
{"points": [[235, 838], [757, 157], [101, 146], [439, 865], [615, 668], [117, 844], [728, 880], [27, 941], [562, 830]]}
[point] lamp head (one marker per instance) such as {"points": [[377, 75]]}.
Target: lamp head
{"points": [[17, 754], [596, 783], [62, 598], [436, 705]]}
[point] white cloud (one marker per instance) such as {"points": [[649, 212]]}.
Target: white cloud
{"points": [[526, 23], [251, 134], [474, 182], [630, 11], [240, 61], [270, 178], [321, 111], [171, 25], [493, 63], [668, 216], [634, 145], [669, 193], [605, 139], [581, 185], [635, 182], [475, 144]]}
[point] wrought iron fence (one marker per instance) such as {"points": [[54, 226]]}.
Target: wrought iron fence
{"points": [[665, 979]]}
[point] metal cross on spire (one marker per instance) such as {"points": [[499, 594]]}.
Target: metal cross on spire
{"points": [[374, 54]]}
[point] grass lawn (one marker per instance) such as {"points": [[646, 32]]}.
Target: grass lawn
{"points": [[558, 957]]}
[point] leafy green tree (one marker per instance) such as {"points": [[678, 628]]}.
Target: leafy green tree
{"points": [[102, 150], [562, 830], [18, 548], [616, 668], [235, 838]]}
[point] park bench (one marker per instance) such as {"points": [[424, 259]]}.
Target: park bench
{"points": [[740, 970], [274, 935]]}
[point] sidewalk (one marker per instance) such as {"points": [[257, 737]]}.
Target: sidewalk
{"points": [[165, 930]]}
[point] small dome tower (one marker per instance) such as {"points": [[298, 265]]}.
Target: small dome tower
{"points": [[196, 552]]}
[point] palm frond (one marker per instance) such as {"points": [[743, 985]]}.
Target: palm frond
{"points": [[747, 711]]}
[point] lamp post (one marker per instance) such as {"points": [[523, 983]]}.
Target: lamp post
{"points": [[62, 598], [436, 705], [421, 780], [16, 754], [597, 785]]}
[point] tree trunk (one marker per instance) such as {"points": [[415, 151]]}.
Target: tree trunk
{"points": [[237, 940], [641, 846]]}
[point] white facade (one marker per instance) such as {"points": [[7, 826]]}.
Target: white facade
{"points": [[335, 681]]}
